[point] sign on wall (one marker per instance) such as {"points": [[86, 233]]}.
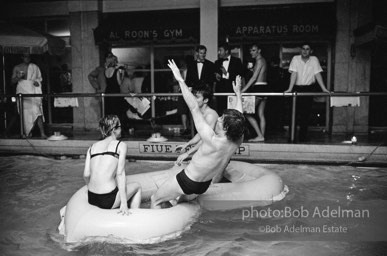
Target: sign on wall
{"points": [[170, 148], [167, 26], [248, 103], [279, 21]]}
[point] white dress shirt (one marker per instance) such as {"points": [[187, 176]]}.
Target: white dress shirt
{"points": [[200, 68], [225, 64], [306, 71]]}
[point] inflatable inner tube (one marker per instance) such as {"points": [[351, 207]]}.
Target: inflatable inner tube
{"points": [[82, 222], [250, 185]]}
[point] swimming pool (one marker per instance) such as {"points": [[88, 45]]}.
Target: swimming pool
{"points": [[33, 189]]}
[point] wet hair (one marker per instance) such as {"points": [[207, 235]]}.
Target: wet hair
{"points": [[204, 89], [107, 125], [225, 46], [233, 124], [200, 47]]}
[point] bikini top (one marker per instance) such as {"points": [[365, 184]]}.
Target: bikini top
{"points": [[110, 153]]}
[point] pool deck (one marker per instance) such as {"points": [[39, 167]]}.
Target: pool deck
{"points": [[370, 149]]}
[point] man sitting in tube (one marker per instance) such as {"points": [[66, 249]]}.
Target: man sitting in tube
{"points": [[213, 155]]}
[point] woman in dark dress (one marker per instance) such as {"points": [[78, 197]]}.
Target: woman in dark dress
{"points": [[114, 77]]}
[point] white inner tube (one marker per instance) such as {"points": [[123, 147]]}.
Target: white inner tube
{"points": [[250, 185]]}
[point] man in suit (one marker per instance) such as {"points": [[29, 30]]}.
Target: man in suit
{"points": [[227, 69], [198, 70]]}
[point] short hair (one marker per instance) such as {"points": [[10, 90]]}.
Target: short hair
{"points": [[109, 55], [204, 89], [306, 43], [225, 46], [233, 124], [200, 47], [256, 45], [107, 124]]}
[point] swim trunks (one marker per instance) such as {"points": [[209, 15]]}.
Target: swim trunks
{"points": [[104, 201], [259, 87], [189, 186]]}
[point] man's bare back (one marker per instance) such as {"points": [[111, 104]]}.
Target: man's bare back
{"points": [[210, 160], [215, 151]]}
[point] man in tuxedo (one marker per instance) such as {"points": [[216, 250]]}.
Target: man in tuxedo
{"points": [[198, 70], [227, 69]]}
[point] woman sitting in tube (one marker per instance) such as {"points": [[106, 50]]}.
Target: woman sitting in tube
{"points": [[104, 172]]}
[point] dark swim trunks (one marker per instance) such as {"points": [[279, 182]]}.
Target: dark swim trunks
{"points": [[189, 186], [259, 88], [104, 201]]}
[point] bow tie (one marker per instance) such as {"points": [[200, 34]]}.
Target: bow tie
{"points": [[225, 59], [200, 61]]}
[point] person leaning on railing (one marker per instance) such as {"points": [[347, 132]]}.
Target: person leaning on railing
{"points": [[305, 71]]}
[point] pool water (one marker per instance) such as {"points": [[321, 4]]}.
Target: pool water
{"points": [[33, 189]]}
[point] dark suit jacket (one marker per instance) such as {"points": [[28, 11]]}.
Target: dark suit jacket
{"points": [[234, 68], [207, 76]]}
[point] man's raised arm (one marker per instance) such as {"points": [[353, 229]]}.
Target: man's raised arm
{"points": [[237, 85], [204, 130]]}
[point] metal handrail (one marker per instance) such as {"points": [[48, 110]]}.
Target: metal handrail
{"points": [[334, 94], [102, 96]]}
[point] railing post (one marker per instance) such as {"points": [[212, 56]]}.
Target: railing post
{"points": [[49, 100], [102, 104], [21, 114], [293, 121], [5, 113]]}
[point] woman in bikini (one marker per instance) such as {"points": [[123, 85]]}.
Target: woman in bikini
{"points": [[105, 170]]}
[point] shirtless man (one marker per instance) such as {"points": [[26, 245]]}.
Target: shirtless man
{"points": [[214, 153], [257, 83], [203, 94]]}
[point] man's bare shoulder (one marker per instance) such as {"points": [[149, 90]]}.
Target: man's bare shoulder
{"points": [[224, 146], [210, 113]]}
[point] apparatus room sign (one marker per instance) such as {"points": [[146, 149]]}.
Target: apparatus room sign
{"points": [[268, 22], [170, 148]]}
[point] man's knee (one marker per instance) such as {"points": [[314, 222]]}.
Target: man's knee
{"points": [[153, 198], [155, 202], [137, 186]]}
